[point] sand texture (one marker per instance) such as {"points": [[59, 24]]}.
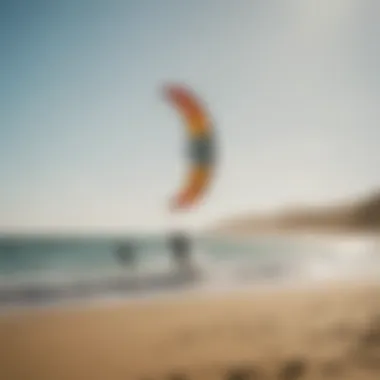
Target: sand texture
{"points": [[332, 334]]}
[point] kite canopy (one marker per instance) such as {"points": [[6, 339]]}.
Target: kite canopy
{"points": [[201, 146]]}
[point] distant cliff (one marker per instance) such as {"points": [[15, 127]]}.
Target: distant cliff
{"points": [[361, 215]]}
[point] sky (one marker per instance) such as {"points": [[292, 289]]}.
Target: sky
{"points": [[88, 142]]}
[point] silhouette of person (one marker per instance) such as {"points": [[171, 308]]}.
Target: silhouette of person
{"points": [[180, 247], [126, 254]]}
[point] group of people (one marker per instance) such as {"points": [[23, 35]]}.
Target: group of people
{"points": [[179, 246]]}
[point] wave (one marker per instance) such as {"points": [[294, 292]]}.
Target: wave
{"points": [[42, 291]]}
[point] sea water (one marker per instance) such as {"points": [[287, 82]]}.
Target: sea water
{"points": [[50, 269]]}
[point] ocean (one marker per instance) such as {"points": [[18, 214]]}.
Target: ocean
{"points": [[43, 270]]}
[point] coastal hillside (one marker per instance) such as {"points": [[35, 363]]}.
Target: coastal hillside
{"points": [[359, 215]]}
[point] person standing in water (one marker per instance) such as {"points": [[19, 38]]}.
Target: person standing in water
{"points": [[180, 247], [125, 254]]}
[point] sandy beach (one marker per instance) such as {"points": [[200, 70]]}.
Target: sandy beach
{"points": [[315, 334]]}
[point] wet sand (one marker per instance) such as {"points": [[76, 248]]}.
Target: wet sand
{"points": [[317, 334]]}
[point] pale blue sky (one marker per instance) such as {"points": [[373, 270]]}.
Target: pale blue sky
{"points": [[87, 140]]}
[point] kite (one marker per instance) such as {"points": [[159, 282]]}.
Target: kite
{"points": [[201, 146]]}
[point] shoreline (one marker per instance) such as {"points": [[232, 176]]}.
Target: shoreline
{"points": [[166, 299]]}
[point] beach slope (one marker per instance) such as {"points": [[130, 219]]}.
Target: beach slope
{"points": [[315, 334]]}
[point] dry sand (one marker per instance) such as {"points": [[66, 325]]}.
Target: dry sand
{"points": [[325, 334]]}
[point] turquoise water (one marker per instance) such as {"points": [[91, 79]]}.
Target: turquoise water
{"points": [[34, 256], [35, 267]]}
